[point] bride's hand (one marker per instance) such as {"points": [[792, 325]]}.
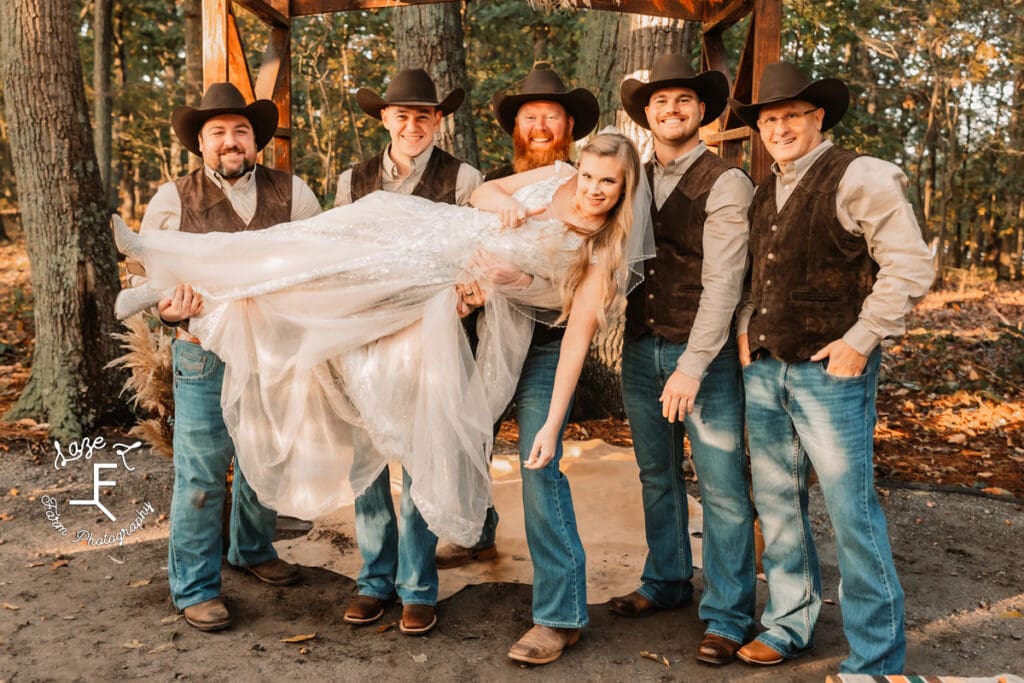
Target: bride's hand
{"points": [[544, 445], [182, 305], [513, 214]]}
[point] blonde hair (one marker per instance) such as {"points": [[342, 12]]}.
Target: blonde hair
{"points": [[604, 247]]}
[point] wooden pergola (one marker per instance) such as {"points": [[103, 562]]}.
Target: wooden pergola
{"points": [[224, 58]]}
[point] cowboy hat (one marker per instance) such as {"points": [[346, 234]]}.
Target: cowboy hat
{"points": [[782, 81], [224, 98], [543, 84], [412, 88], [670, 71]]}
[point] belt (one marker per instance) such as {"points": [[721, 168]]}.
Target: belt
{"points": [[183, 335]]}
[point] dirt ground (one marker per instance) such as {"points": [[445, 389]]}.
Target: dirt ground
{"points": [[951, 412], [71, 611]]}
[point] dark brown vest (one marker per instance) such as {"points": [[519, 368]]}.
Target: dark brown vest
{"points": [[809, 275], [205, 207], [667, 301], [437, 183]]}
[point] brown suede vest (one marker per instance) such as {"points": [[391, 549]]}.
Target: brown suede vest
{"points": [[205, 208], [667, 301], [437, 183], [809, 275]]}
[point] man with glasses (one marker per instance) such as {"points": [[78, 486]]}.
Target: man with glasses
{"points": [[837, 260]]}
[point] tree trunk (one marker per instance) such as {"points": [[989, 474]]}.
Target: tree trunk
{"points": [[74, 272], [193, 13], [103, 104], [640, 40], [430, 36]]}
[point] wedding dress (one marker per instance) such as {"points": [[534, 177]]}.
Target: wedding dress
{"points": [[343, 349]]}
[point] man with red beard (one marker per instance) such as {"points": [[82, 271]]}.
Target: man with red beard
{"points": [[544, 119]]}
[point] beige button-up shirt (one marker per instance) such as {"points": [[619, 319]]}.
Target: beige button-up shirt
{"points": [[467, 180], [871, 202], [726, 233], [164, 210]]}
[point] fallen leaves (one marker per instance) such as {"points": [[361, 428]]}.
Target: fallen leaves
{"points": [[57, 564], [655, 657], [7, 605], [134, 645], [139, 583], [299, 639]]}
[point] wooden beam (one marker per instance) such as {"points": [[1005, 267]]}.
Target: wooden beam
{"points": [[690, 10], [767, 27], [215, 42], [275, 82], [717, 137], [265, 12], [238, 66], [726, 16]]}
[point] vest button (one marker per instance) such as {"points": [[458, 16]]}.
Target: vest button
{"points": [[650, 296], [650, 321], [763, 311], [775, 228], [651, 271], [771, 257], [767, 283], [760, 338]]}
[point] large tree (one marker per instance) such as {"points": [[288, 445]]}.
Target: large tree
{"points": [[430, 36], [74, 271]]}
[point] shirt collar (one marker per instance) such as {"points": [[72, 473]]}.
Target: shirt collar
{"points": [[796, 169], [682, 162], [243, 183], [419, 162]]}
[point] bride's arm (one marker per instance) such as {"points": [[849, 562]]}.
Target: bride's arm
{"points": [[496, 195], [579, 332]]}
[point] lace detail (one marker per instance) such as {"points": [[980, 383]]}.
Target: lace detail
{"points": [[344, 350]]}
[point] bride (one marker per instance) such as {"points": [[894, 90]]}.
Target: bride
{"points": [[342, 330]]}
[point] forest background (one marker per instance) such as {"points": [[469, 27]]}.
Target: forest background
{"points": [[937, 87]]}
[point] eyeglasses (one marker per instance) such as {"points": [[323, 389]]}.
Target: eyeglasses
{"points": [[789, 119]]}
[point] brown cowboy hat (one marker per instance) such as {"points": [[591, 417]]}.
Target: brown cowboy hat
{"points": [[670, 71], [224, 98], [412, 88], [543, 84], [783, 81]]}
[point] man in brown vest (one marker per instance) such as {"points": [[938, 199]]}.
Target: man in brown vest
{"points": [[837, 261], [543, 118], [680, 369], [231, 192], [402, 565]]}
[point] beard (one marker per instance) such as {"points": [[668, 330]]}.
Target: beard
{"points": [[237, 172], [526, 159]]}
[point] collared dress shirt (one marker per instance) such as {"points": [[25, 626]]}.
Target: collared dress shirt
{"points": [[726, 233], [871, 202], [467, 180], [164, 210]]}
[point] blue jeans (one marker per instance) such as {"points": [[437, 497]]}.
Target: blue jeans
{"points": [[799, 416], [559, 565], [715, 430], [394, 563], [203, 451]]}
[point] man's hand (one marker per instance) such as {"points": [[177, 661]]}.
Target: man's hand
{"points": [[743, 346], [470, 296], [181, 305], [499, 271], [843, 359], [679, 396]]}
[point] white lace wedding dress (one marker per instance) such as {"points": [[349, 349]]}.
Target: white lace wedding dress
{"points": [[344, 350]]}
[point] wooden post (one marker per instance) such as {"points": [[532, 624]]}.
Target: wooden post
{"points": [[767, 30]]}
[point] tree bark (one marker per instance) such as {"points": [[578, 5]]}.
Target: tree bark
{"points": [[103, 104], [74, 272], [193, 13], [431, 37]]}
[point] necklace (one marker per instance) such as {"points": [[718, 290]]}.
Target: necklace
{"points": [[593, 225]]}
